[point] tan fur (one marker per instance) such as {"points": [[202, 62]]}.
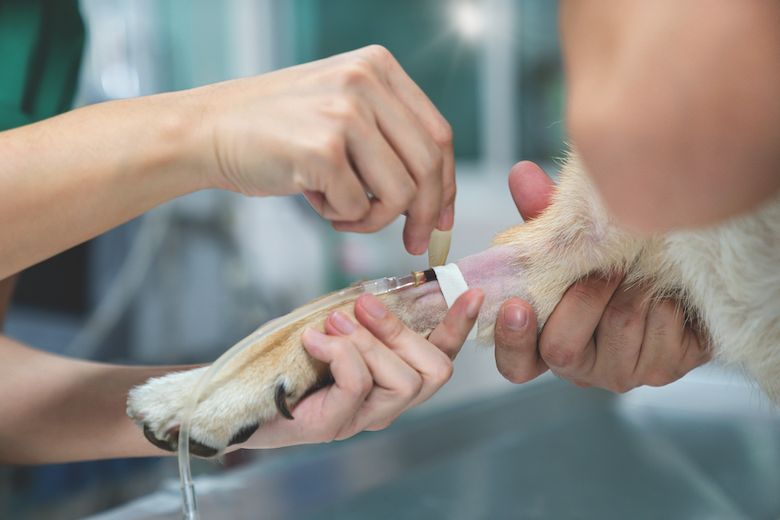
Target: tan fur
{"points": [[727, 277]]}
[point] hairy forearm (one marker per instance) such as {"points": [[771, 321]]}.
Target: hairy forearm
{"points": [[56, 409], [72, 177], [673, 106]]}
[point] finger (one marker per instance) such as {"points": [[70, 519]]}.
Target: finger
{"points": [[434, 123], [432, 365], [452, 332], [531, 189], [343, 196], [566, 343], [352, 380], [423, 159], [517, 357], [697, 352], [663, 348], [384, 174], [619, 340], [396, 384]]}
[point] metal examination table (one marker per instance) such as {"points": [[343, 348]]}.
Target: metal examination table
{"points": [[706, 447]]}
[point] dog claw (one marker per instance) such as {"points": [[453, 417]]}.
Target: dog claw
{"points": [[166, 445], [244, 434], [171, 443], [280, 398]]}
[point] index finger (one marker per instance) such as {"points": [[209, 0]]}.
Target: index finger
{"points": [[566, 343]]}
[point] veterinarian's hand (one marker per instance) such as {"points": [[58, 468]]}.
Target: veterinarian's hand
{"points": [[353, 133], [601, 333], [380, 368]]}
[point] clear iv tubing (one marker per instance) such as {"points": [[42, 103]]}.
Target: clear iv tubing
{"points": [[376, 287]]}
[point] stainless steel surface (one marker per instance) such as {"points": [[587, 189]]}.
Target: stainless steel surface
{"points": [[702, 448]]}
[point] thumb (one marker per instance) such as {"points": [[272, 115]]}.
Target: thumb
{"points": [[517, 357], [531, 189]]}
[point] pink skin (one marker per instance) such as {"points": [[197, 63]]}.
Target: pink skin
{"points": [[495, 271]]}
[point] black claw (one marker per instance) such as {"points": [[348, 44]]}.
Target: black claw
{"points": [[166, 445], [281, 402], [171, 443], [243, 434], [201, 450]]}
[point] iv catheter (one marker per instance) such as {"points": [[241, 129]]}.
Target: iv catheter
{"points": [[376, 287]]}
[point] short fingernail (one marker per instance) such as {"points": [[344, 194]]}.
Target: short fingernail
{"points": [[374, 307], [515, 317], [446, 218], [342, 322]]}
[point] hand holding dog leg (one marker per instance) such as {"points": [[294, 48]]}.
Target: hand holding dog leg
{"points": [[601, 333], [380, 368]]}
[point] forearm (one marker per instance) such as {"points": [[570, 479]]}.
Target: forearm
{"points": [[72, 177], [56, 409], [673, 106]]}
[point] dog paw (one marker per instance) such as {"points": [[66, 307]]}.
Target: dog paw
{"points": [[230, 409]]}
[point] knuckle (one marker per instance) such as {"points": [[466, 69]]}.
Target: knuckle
{"points": [[442, 133], [620, 386], [356, 73], [358, 208], [656, 379], [558, 354], [359, 386], [331, 148], [619, 317], [443, 371], [377, 53], [345, 108], [411, 387], [403, 195]]}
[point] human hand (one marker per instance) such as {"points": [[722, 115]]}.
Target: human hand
{"points": [[380, 369], [336, 130], [602, 333]]}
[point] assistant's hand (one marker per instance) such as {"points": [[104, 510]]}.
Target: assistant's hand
{"points": [[380, 368], [601, 333], [336, 130]]}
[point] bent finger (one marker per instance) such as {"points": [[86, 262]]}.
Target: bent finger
{"points": [[619, 338], [433, 366], [396, 383], [566, 343]]}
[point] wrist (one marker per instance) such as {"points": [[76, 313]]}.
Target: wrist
{"points": [[178, 142]]}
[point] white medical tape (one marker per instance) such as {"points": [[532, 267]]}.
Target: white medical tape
{"points": [[452, 284]]}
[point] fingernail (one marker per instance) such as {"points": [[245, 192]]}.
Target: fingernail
{"points": [[515, 317], [342, 322], [314, 339], [374, 307], [472, 310], [446, 218]]}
